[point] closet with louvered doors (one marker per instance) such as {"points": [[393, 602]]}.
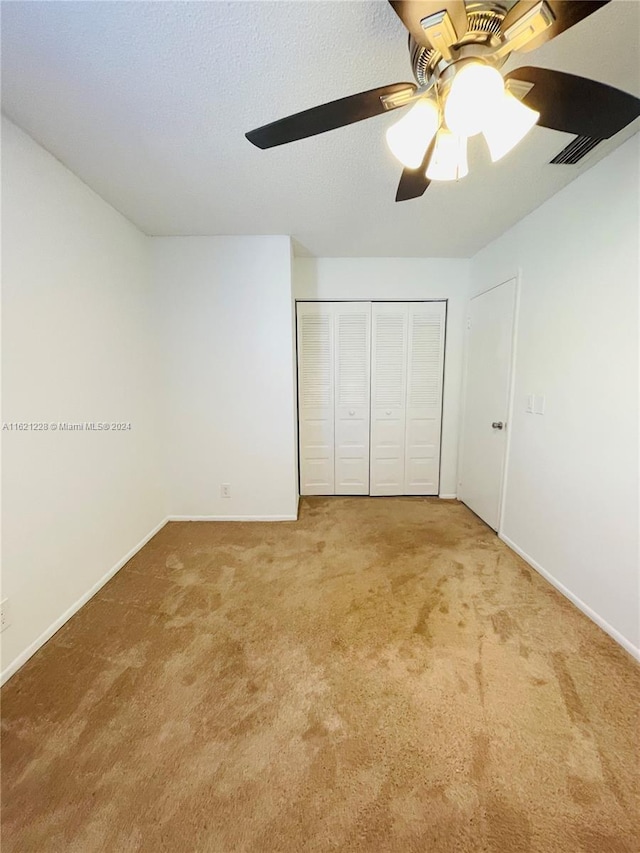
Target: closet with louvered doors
{"points": [[370, 397]]}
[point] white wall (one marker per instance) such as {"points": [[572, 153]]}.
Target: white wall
{"points": [[78, 345], [225, 309], [571, 502], [403, 279]]}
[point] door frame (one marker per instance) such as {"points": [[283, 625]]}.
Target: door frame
{"points": [[444, 373], [516, 277]]}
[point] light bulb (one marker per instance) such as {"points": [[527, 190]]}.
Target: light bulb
{"points": [[474, 93], [508, 124], [449, 158], [409, 138]]}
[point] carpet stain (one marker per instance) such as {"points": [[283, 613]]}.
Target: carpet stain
{"points": [[582, 792], [400, 580], [423, 623], [503, 624], [574, 706], [526, 574], [479, 676], [509, 827], [480, 757], [382, 676]]}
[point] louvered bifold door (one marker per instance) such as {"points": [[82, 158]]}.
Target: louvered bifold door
{"points": [[424, 397], [316, 398], [352, 326], [388, 396]]}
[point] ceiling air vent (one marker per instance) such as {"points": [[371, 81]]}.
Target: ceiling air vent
{"points": [[576, 150]]}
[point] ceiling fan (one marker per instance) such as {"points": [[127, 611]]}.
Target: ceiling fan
{"points": [[457, 49]]}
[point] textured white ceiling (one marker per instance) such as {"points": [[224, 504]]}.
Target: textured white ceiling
{"points": [[148, 102]]}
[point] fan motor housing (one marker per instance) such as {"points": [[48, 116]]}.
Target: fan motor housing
{"points": [[484, 23]]}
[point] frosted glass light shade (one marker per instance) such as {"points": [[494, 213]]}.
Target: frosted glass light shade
{"points": [[508, 124], [475, 91], [449, 158], [409, 138]]}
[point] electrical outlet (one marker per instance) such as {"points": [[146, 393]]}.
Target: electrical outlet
{"points": [[225, 490], [5, 614]]}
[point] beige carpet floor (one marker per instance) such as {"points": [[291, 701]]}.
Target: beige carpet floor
{"points": [[382, 676]]}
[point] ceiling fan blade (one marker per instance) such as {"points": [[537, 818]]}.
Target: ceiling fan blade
{"points": [[327, 116], [576, 105], [413, 12], [567, 13], [414, 182]]}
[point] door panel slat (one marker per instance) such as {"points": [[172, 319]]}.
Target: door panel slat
{"points": [[315, 399], [388, 391], [353, 361], [424, 398]]}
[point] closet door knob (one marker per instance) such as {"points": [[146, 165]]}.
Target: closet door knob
{"points": [[388, 411], [352, 412]]}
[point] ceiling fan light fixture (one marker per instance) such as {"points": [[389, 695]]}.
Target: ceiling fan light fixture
{"points": [[409, 138], [449, 158], [508, 125], [475, 92]]}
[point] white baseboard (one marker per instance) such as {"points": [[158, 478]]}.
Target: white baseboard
{"points": [[24, 656], [238, 517], [233, 517], [448, 497], [600, 622]]}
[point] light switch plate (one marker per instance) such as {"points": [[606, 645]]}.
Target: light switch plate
{"points": [[530, 402], [539, 404]]}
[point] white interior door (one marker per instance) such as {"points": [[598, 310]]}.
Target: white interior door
{"points": [[389, 327], [426, 325], [352, 332], [488, 375], [316, 398]]}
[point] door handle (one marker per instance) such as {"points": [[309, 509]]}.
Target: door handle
{"points": [[352, 412], [497, 425]]}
